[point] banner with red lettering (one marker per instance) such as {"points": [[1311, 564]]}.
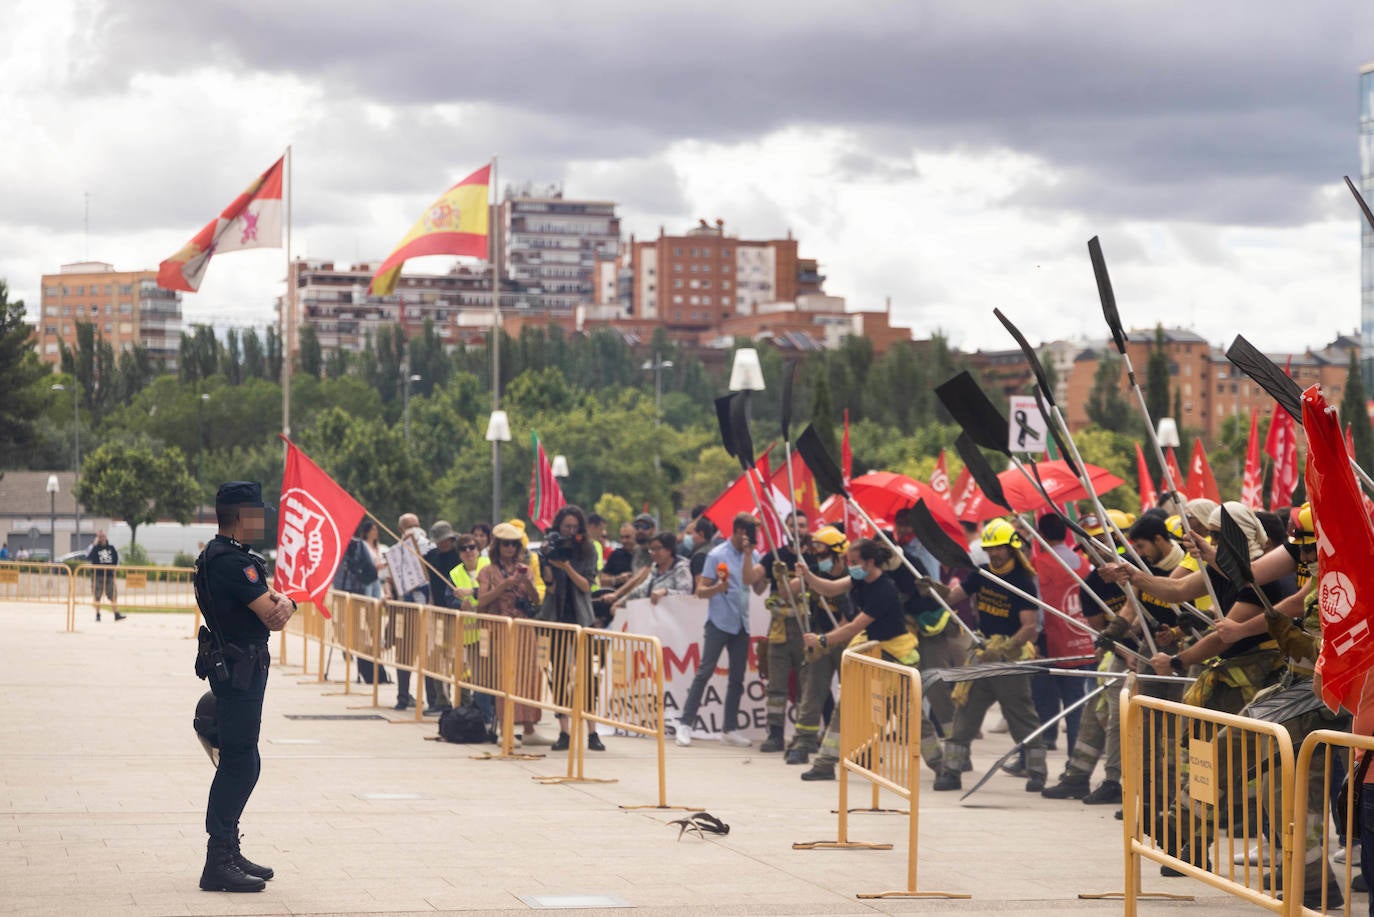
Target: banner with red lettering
{"points": [[316, 519], [1345, 542], [679, 622]]}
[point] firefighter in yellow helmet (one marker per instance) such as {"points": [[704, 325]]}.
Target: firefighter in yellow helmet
{"points": [[1011, 623]]}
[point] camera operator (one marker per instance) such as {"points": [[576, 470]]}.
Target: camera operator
{"points": [[569, 569]]}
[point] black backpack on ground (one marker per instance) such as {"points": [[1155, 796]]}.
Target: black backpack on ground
{"points": [[463, 724]]}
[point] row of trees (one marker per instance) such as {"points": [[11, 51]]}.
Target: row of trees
{"points": [[589, 397]]}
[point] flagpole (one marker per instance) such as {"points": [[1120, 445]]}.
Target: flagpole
{"points": [[493, 247], [288, 310]]}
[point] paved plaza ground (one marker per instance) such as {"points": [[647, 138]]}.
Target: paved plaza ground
{"points": [[103, 785]]}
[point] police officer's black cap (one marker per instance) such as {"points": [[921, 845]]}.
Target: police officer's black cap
{"points": [[239, 493]]}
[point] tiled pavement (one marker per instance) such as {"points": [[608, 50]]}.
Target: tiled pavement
{"points": [[102, 794]]}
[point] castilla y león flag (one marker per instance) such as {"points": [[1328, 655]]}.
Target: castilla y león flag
{"points": [[315, 521], [455, 224], [252, 220], [1345, 542]]}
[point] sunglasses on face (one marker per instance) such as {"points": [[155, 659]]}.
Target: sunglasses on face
{"points": [[643, 526], [466, 547]]}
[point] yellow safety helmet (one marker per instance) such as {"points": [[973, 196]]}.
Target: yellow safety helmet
{"points": [[1000, 532], [1302, 526], [832, 538], [1175, 526]]}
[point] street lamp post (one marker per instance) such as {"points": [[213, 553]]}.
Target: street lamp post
{"points": [[498, 432], [76, 462], [52, 516], [410, 377], [657, 365]]}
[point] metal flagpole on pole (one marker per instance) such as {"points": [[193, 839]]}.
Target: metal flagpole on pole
{"points": [[493, 247], [287, 311]]}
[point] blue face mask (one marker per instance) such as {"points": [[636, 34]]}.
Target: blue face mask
{"points": [[825, 564], [858, 574], [687, 542]]}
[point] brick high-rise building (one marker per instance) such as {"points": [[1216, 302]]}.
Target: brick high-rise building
{"points": [[696, 281], [126, 307]]}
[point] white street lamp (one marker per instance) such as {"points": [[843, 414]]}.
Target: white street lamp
{"points": [[746, 374], [52, 515], [498, 432]]}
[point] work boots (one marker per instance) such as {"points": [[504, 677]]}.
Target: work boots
{"points": [[955, 757], [774, 742], [1036, 769], [222, 872], [247, 865], [1072, 785]]}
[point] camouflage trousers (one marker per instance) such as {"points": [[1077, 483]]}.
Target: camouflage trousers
{"points": [[784, 657], [1099, 733], [931, 752]]}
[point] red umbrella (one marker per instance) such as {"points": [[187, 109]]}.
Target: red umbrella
{"points": [[1059, 482], [882, 493]]}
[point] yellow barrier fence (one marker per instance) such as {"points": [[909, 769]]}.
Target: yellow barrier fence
{"points": [[621, 679], [48, 584], [1187, 799], [880, 741], [543, 673], [1325, 753], [483, 664], [153, 588]]}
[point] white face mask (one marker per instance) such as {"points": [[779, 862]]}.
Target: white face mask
{"points": [[687, 542]]}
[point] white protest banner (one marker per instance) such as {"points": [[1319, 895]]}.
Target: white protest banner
{"points": [[403, 560], [1027, 430], [678, 622]]}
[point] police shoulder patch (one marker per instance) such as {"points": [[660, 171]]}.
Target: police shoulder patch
{"points": [[251, 572]]}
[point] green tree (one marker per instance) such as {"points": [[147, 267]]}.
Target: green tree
{"points": [[94, 367], [254, 359], [22, 377], [233, 357], [708, 476], [615, 509], [1107, 406], [1157, 378], [272, 354], [135, 483], [312, 359], [1356, 413]]}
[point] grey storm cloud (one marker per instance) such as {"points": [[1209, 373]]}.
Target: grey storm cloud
{"points": [[1152, 110]]}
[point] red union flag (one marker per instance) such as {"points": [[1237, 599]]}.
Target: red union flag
{"points": [[315, 520], [939, 478], [1148, 496], [1252, 485], [1201, 483], [1345, 542], [252, 220], [805, 496]]}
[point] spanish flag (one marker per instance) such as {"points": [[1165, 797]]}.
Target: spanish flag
{"points": [[455, 224]]}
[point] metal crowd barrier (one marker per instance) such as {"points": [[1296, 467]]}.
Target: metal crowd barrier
{"points": [[622, 683], [482, 664], [159, 588], [28, 581], [1188, 804], [544, 674], [1324, 755], [880, 741]]}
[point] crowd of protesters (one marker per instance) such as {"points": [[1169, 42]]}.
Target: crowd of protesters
{"points": [[839, 590]]}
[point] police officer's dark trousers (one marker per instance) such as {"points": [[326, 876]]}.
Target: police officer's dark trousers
{"points": [[240, 722]]}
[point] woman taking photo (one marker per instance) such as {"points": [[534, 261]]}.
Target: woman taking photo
{"points": [[877, 616], [569, 569], [505, 587]]}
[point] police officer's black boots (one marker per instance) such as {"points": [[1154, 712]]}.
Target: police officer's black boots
{"points": [[774, 742], [222, 874], [247, 865]]}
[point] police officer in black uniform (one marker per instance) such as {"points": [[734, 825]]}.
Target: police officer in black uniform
{"points": [[240, 609]]}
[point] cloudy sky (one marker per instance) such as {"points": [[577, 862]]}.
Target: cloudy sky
{"points": [[952, 156]]}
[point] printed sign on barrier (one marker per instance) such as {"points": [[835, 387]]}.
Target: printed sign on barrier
{"points": [[679, 622], [9, 577], [1202, 771], [136, 581]]}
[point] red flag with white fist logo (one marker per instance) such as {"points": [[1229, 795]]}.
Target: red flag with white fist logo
{"points": [[316, 519], [1345, 542]]}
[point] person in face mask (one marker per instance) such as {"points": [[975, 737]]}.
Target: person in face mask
{"points": [[877, 616], [700, 538], [825, 555]]}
